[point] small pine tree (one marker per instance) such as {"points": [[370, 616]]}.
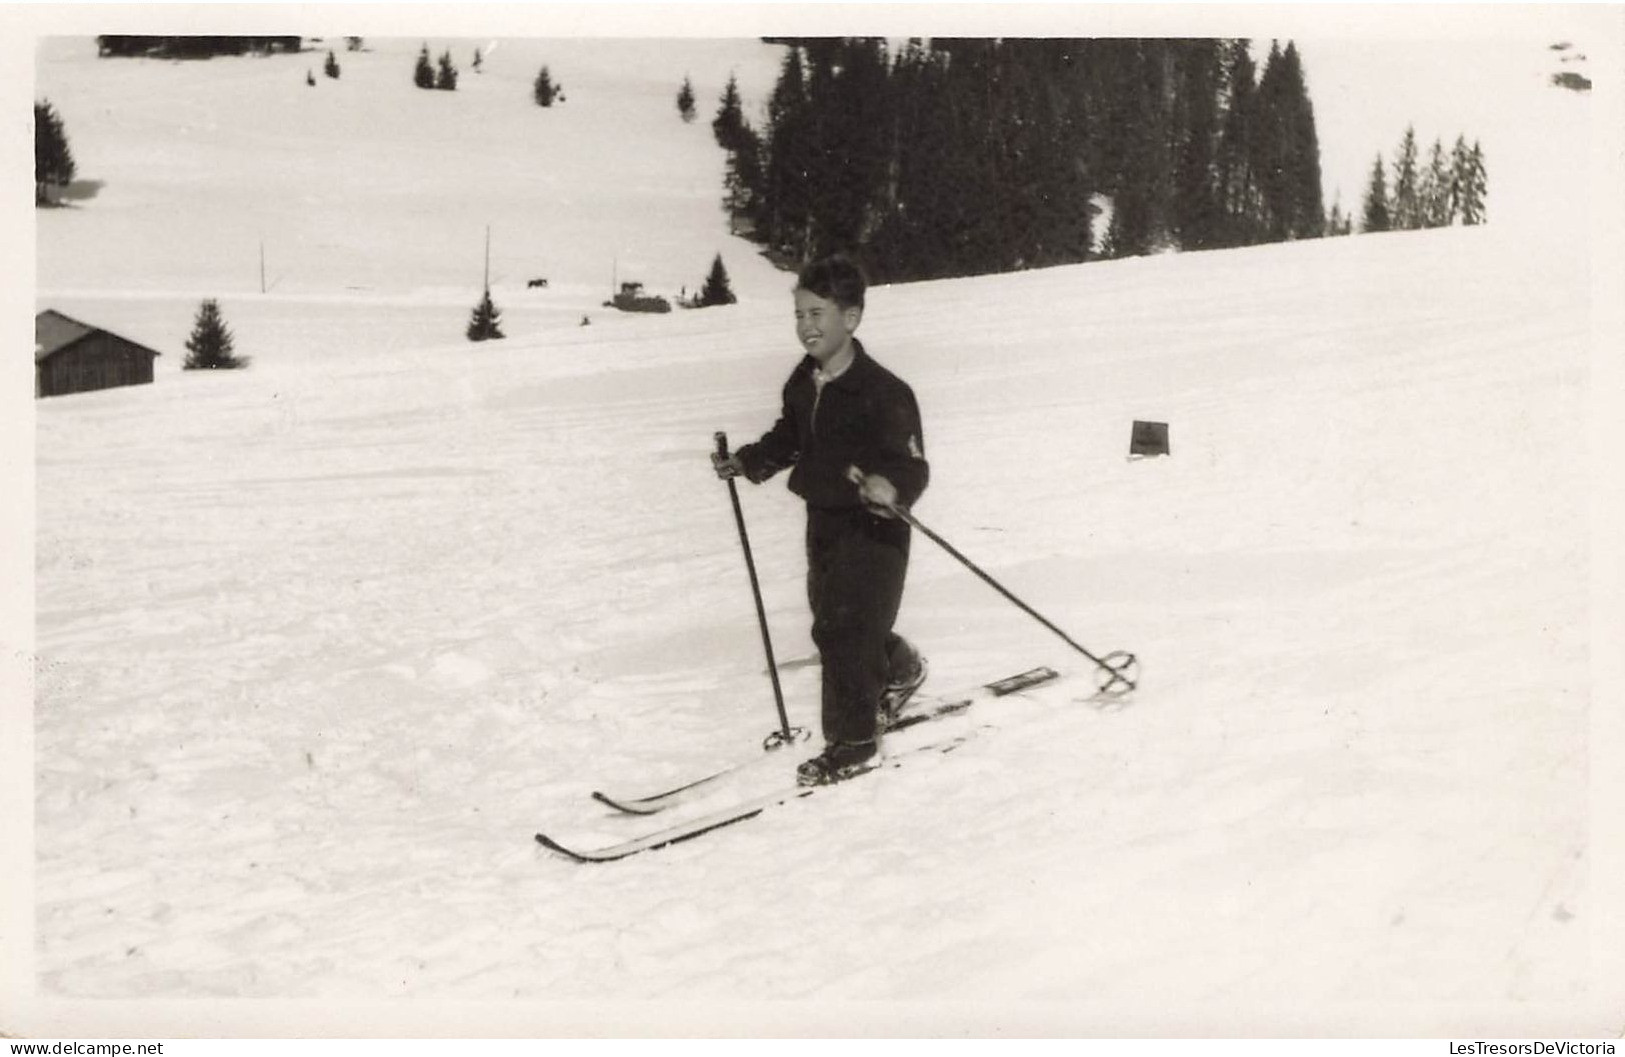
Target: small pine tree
{"points": [[716, 290], [483, 326], [53, 160], [446, 78], [210, 346], [479, 61], [332, 66], [423, 75], [310, 78], [545, 90], [1376, 201], [685, 101], [1337, 222]]}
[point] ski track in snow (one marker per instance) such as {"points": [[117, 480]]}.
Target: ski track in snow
{"points": [[322, 643]]}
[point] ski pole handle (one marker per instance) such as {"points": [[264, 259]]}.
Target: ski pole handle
{"points": [[856, 476]]}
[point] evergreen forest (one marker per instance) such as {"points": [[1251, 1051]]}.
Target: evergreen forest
{"points": [[968, 156]]}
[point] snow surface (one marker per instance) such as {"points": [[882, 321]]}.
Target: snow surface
{"points": [[321, 644]]}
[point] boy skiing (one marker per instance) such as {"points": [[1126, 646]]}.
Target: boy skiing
{"points": [[850, 433]]}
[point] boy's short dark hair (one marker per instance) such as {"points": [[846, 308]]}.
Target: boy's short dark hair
{"points": [[835, 278]]}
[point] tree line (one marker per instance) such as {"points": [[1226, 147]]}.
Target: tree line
{"points": [[1447, 189], [190, 47], [967, 156]]}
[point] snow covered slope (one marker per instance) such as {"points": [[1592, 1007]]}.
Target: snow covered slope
{"points": [[321, 644]]}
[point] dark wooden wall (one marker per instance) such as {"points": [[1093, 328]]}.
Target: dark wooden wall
{"points": [[99, 361]]}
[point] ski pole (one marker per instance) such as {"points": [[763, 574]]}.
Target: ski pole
{"points": [[1121, 668], [786, 734]]}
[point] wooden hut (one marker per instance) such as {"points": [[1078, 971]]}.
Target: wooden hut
{"points": [[75, 357]]}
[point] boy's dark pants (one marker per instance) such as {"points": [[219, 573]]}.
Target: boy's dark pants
{"points": [[856, 564]]}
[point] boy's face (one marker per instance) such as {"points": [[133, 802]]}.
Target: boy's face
{"points": [[823, 327]]}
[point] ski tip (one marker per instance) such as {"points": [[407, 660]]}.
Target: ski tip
{"points": [[623, 806], [552, 845]]}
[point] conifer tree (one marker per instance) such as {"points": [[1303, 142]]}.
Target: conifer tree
{"points": [[1270, 145], [479, 62], [331, 68], [484, 325], [730, 119], [53, 159], [787, 162], [544, 90], [1435, 191], [1196, 219], [685, 101], [1240, 198], [1406, 212], [1474, 185], [445, 78], [210, 345], [716, 290], [742, 181], [1305, 201], [1376, 216], [310, 78], [423, 74], [1336, 222]]}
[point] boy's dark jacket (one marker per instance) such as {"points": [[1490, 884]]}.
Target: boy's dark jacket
{"points": [[867, 417]]}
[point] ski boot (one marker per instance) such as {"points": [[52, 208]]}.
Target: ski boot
{"points": [[897, 694], [839, 760]]}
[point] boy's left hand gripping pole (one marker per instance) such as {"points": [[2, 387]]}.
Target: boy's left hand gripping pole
{"points": [[786, 734]]}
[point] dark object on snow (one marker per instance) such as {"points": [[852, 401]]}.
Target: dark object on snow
{"points": [[1148, 439], [485, 324], [633, 299], [210, 348], [75, 357], [536, 283]]}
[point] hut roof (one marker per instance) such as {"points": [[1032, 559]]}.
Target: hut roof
{"points": [[54, 332]]}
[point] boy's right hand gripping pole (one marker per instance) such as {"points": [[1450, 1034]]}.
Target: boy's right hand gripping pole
{"points": [[1118, 672], [786, 734]]}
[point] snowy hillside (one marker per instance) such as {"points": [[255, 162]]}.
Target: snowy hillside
{"points": [[323, 643]]}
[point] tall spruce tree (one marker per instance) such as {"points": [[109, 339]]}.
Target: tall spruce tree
{"points": [[210, 346], [1306, 208], [331, 66], [787, 163], [1271, 144], [1474, 187], [53, 158], [1197, 214], [1406, 211], [1435, 189], [1376, 216], [1240, 198], [423, 73]]}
